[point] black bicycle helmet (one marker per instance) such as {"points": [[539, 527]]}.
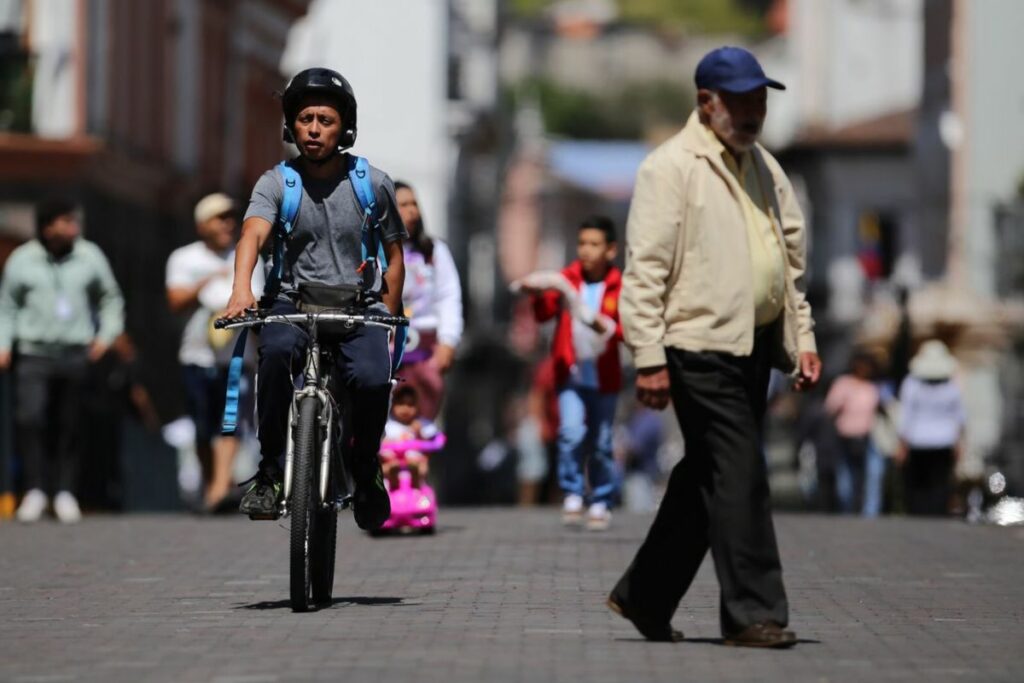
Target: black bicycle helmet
{"points": [[324, 82]]}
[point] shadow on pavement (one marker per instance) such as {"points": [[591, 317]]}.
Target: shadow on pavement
{"points": [[719, 641], [287, 604], [712, 641]]}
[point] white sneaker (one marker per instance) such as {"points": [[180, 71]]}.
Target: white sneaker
{"points": [[598, 517], [65, 506], [572, 510], [32, 507]]}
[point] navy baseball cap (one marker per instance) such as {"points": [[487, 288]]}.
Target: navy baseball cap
{"points": [[732, 69]]}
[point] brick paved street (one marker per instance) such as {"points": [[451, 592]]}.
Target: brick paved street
{"points": [[497, 595]]}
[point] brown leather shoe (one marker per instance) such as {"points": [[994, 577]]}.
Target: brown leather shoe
{"points": [[763, 634], [659, 633]]}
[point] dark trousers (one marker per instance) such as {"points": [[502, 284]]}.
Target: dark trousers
{"points": [[363, 368], [48, 404], [717, 498], [928, 481]]}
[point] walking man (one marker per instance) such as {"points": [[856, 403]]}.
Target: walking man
{"points": [[60, 308], [712, 298], [199, 279]]}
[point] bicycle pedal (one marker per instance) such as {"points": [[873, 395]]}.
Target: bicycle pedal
{"points": [[343, 503]]}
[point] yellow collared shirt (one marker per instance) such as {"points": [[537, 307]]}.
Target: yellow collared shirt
{"points": [[766, 264]]}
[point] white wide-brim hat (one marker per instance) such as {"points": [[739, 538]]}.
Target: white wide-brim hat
{"points": [[933, 362]]}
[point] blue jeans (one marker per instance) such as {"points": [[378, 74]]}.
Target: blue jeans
{"points": [[585, 443], [874, 480]]}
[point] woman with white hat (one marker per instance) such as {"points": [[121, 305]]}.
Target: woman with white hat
{"points": [[931, 426]]}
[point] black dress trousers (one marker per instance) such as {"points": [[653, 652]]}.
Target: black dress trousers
{"points": [[717, 497]]}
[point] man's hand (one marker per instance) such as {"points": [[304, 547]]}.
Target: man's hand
{"points": [[5, 360], [97, 349], [810, 371], [652, 387], [241, 300], [443, 357]]}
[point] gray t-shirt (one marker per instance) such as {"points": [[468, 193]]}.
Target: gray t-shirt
{"points": [[325, 244]]}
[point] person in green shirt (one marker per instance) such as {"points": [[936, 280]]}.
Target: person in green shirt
{"points": [[60, 308]]}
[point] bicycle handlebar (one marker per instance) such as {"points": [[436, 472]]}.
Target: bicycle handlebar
{"points": [[259, 316]]}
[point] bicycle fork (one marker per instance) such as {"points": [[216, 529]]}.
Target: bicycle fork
{"points": [[325, 418]]}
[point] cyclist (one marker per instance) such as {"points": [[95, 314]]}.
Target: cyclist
{"points": [[323, 248]]}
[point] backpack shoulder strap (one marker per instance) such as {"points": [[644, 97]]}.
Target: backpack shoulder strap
{"points": [[291, 198], [362, 185], [373, 245]]}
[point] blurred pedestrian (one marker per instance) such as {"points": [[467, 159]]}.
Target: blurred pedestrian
{"points": [[931, 427], [587, 371], [433, 303], [117, 397], [714, 296], [537, 437], [198, 281], [60, 309], [853, 402]]}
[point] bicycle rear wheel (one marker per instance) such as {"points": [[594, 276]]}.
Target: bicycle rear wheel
{"points": [[303, 503]]}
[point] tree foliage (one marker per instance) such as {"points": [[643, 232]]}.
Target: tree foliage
{"points": [[625, 114], [693, 16]]}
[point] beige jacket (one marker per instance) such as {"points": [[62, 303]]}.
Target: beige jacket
{"points": [[687, 282]]}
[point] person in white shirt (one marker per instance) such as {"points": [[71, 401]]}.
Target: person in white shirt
{"points": [[931, 428], [199, 277], [433, 302]]}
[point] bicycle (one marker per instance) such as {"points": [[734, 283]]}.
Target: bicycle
{"points": [[317, 482]]}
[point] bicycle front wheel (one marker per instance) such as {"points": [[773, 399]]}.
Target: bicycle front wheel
{"points": [[324, 542], [303, 502]]}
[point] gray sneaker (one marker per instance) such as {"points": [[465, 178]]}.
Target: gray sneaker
{"points": [[262, 499]]}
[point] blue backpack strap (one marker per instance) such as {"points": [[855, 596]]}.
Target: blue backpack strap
{"points": [[291, 198], [373, 245], [362, 185], [230, 422], [401, 337]]}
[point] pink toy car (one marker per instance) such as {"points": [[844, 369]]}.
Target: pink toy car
{"points": [[412, 507]]}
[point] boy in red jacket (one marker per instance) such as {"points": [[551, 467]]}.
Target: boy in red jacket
{"points": [[587, 371]]}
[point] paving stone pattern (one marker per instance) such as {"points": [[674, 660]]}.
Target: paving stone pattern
{"points": [[496, 595]]}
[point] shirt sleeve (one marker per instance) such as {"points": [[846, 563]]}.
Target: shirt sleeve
{"points": [[959, 413], [266, 197], [9, 287], [176, 274], [428, 430], [652, 233], [794, 232], [110, 303], [906, 407], [448, 293], [835, 400]]}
